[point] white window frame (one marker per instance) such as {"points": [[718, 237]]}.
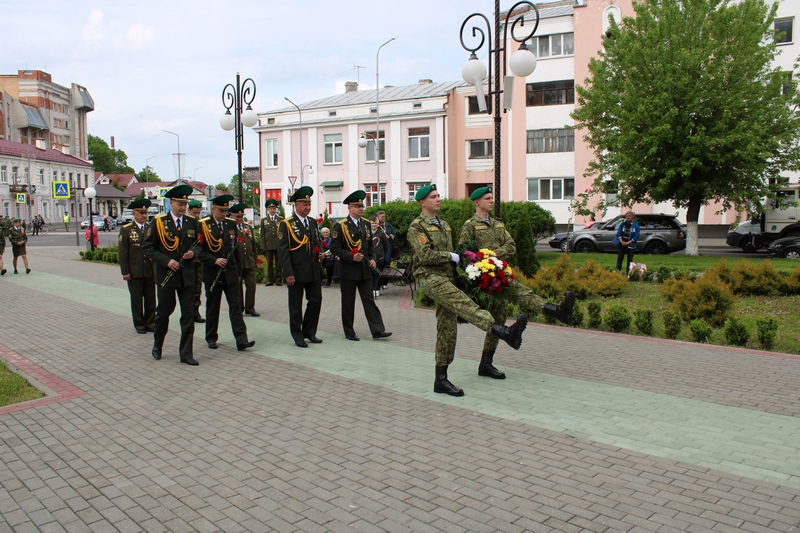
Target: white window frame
{"points": [[558, 41], [551, 141], [414, 187], [556, 189], [372, 193], [3, 173], [790, 34], [333, 149], [486, 143], [419, 144], [271, 153], [370, 148], [41, 176]]}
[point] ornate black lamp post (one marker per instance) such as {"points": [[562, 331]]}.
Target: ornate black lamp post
{"points": [[522, 63], [234, 98], [90, 193]]}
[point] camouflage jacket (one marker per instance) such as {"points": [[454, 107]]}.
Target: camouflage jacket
{"points": [[493, 236], [430, 249], [17, 238]]}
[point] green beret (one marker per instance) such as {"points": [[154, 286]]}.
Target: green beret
{"points": [[303, 194], [480, 191], [15, 220], [140, 203], [195, 203], [272, 202], [424, 192], [222, 200], [237, 209], [179, 192], [355, 198]]}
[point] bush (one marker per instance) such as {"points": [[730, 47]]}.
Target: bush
{"points": [[708, 298], [767, 329], [663, 273], [701, 330], [643, 320], [577, 316], [672, 324], [758, 280], [617, 318], [790, 283], [595, 310], [106, 254], [736, 332]]}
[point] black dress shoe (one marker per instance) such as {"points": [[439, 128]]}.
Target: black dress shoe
{"points": [[197, 317], [27, 270], [252, 312], [313, 339], [352, 337], [382, 335], [150, 328], [212, 345], [301, 344], [279, 284], [268, 284], [190, 362], [156, 353], [243, 347], [141, 331], [3, 272]]}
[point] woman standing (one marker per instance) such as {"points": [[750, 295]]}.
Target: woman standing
{"points": [[627, 235]]}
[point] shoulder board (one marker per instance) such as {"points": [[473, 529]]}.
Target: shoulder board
{"points": [[229, 218], [128, 225], [205, 219], [162, 215], [289, 219], [187, 215]]}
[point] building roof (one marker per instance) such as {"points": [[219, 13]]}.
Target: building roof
{"points": [[15, 149], [122, 180], [109, 191], [135, 189], [34, 117]]}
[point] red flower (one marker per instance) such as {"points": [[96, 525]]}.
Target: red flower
{"points": [[259, 262], [200, 239], [240, 239], [353, 252], [316, 249]]}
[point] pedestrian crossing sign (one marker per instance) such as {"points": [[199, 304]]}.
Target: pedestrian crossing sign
{"points": [[21, 198], [61, 190], [162, 191]]}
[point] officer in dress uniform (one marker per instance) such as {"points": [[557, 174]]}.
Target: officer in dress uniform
{"points": [[195, 206], [431, 242], [248, 253], [169, 242], [491, 233], [137, 269], [300, 255], [222, 272], [352, 244], [269, 241]]}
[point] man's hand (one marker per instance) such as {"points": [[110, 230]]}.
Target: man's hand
{"points": [[372, 264], [290, 280], [126, 277], [173, 265], [221, 262], [358, 257], [188, 255]]}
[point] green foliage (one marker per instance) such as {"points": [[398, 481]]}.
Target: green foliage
{"points": [[595, 310], [790, 283], [525, 259], [663, 273], [672, 324], [759, 280], [14, 388], [106, 254], [708, 297], [578, 316], [261, 269], [701, 330], [643, 320], [683, 105], [767, 328], [106, 159], [554, 280], [617, 318], [736, 332], [147, 174]]}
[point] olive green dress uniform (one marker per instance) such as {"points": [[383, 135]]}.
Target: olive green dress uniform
{"points": [[141, 286], [434, 273], [492, 234], [248, 254], [354, 275], [221, 243], [180, 284], [269, 243]]}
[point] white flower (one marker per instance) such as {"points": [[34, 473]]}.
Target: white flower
{"points": [[473, 272]]}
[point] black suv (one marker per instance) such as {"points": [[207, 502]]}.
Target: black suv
{"points": [[661, 234]]}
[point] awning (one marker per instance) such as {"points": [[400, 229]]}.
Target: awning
{"points": [[332, 184]]}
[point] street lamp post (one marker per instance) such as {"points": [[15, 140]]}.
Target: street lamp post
{"points": [[179, 154], [522, 63], [147, 167], [301, 139], [90, 193], [362, 143], [233, 98]]}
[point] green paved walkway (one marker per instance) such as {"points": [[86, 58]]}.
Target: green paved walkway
{"points": [[748, 443]]}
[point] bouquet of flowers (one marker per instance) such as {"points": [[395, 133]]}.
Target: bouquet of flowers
{"points": [[482, 275]]}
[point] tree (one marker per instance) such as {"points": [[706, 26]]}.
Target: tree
{"points": [[106, 159], [684, 106], [247, 189], [147, 174]]}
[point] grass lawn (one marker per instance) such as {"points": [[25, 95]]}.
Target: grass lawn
{"points": [[14, 388]]}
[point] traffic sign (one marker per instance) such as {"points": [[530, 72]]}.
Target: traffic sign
{"points": [[22, 198], [162, 191], [61, 190], [292, 179]]}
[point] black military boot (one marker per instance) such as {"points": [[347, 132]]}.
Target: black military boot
{"points": [[511, 334], [443, 385], [486, 368], [197, 317], [562, 312]]}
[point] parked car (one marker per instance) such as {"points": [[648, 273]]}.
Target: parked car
{"points": [[788, 247], [661, 234], [125, 217], [745, 235], [560, 241], [97, 220]]}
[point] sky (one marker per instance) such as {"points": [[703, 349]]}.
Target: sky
{"points": [[161, 65]]}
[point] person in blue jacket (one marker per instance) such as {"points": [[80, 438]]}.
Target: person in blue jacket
{"points": [[627, 235]]}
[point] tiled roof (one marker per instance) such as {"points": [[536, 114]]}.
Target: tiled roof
{"points": [[109, 191], [15, 149]]}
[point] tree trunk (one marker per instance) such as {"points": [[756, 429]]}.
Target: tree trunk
{"points": [[692, 217]]}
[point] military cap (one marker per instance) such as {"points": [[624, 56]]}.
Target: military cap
{"points": [[237, 209], [424, 192], [222, 200], [480, 191], [303, 194], [179, 192], [272, 202], [195, 203], [140, 203], [15, 219], [356, 198]]}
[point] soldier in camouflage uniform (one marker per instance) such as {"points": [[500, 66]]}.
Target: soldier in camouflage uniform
{"points": [[18, 238], [433, 262], [194, 208], [492, 234]]}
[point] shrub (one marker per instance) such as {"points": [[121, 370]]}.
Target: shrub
{"points": [[595, 314], [724, 271], [643, 320], [708, 298], [790, 283], [767, 329], [736, 332], [673, 287], [577, 316], [617, 318], [663, 273], [701, 330], [758, 280], [672, 324]]}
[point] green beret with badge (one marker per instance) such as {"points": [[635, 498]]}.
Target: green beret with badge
{"points": [[423, 192], [480, 191], [195, 204]]}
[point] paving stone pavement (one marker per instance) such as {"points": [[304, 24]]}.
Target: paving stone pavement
{"points": [[590, 432]]}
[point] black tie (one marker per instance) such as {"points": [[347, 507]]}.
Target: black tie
{"points": [[305, 222], [221, 229], [178, 223]]}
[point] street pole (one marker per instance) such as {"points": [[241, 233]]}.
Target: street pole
{"points": [[378, 118], [233, 98], [301, 138]]}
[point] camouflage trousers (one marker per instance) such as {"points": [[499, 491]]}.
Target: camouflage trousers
{"points": [[451, 303], [523, 297]]}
